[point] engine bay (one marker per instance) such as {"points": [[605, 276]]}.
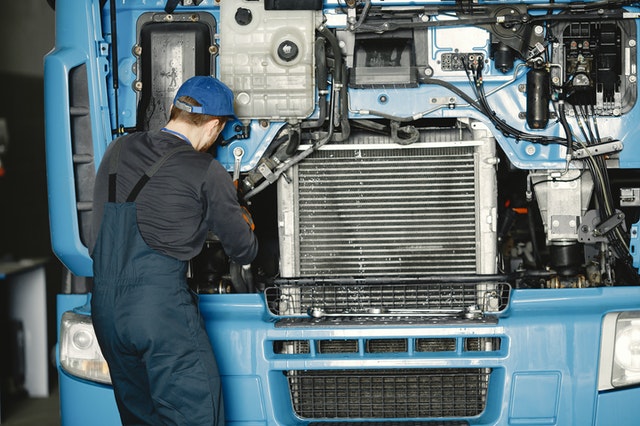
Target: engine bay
{"points": [[351, 114]]}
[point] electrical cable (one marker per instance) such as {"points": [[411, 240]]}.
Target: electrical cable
{"points": [[602, 188], [481, 104]]}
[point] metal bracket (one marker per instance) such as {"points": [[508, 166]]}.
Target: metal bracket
{"points": [[609, 224], [599, 149], [592, 230], [267, 173]]}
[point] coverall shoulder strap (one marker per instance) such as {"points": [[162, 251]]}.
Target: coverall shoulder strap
{"points": [[113, 169], [153, 169]]}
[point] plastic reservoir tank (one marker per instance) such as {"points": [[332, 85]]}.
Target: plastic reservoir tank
{"points": [[267, 59]]}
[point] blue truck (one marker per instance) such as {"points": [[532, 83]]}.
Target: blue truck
{"points": [[446, 195]]}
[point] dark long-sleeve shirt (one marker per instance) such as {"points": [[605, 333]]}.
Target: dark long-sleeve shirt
{"points": [[190, 195]]}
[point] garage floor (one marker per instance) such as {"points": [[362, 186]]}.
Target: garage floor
{"points": [[32, 411]]}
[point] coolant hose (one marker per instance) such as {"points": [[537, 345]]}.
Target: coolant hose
{"points": [[321, 85]]}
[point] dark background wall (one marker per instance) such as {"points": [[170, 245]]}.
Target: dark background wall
{"points": [[27, 33], [24, 223]]}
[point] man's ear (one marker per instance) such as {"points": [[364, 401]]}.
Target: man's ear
{"points": [[212, 126]]}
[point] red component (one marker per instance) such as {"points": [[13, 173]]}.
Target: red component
{"points": [[520, 210]]}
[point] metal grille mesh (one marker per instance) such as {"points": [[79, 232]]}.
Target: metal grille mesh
{"points": [[393, 423], [387, 211], [389, 298], [410, 393]]}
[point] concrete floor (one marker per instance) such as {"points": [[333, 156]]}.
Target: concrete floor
{"points": [[24, 411]]}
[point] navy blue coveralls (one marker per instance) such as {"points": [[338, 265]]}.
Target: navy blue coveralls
{"points": [[147, 322]]}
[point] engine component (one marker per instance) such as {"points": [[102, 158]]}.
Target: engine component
{"points": [[566, 259], [264, 51], [460, 61], [630, 196], [562, 202], [511, 35], [503, 56], [538, 95], [170, 48], [594, 229], [597, 59]]}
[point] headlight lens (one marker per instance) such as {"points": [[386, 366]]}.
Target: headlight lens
{"points": [[626, 353], [620, 350], [80, 354]]}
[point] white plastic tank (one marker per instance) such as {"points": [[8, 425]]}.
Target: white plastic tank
{"points": [[267, 59]]}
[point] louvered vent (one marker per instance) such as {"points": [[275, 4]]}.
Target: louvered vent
{"points": [[375, 211]]}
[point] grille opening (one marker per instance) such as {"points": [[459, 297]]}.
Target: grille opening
{"points": [[336, 346], [82, 145], [391, 393], [482, 344], [431, 344], [291, 347], [373, 346], [386, 345], [393, 423]]}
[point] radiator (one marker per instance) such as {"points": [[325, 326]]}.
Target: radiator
{"points": [[373, 208]]}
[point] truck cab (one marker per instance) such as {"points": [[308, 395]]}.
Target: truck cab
{"points": [[446, 196]]}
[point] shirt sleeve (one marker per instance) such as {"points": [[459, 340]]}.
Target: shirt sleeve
{"points": [[224, 216]]}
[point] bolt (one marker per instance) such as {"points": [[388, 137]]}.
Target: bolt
{"points": [[530, 149]]}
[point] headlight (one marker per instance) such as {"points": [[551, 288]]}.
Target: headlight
{"points": [[80, 354], [620, 350]]}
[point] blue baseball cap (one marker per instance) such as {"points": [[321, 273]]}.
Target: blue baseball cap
{"points": [[214, 97]]}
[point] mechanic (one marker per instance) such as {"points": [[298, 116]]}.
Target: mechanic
{"points": [[157, 196]]}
